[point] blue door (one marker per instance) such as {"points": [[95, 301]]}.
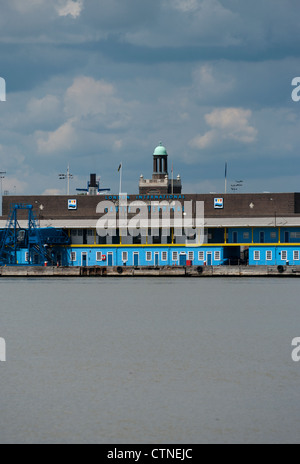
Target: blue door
{"points": [[135, 259], [286, 237], [209, 259], [156, 257], [84, 259], [109, 259], [182, 259]]}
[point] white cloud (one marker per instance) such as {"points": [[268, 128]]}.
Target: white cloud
{"points": [[203, 141], [228, 123], [53, 192], [43, 107], [211, 82], [234, 122], [89, 106], [69, 7], [89, 98], [63, 139], [86, 96]]}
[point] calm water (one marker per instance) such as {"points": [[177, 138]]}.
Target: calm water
{"points": [[149, 361]]}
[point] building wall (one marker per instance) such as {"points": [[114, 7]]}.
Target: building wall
{"points": [[145, 256], [274, 255], [263, 235]]}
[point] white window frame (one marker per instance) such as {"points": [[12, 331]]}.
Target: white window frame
{"points": [[296, 255], [217, 256], [256, 255], [201, 255], [124, 256], [191, 256], [269, 255], [73, 256], [98, 256], [175, 256], [284, 253], [148, 256], [164, 256]]}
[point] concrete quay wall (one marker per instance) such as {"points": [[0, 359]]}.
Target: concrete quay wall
{"points": [[201, 271]]}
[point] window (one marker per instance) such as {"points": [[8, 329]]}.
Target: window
{"points": [[217, 256], [73, 256], [175, 256], [164, 256], [90, 232], [284, 255], [99, 256], [246, 235], [273, 234], [296, 255], [80, 232], [124, 256], [256, 255], [269, 255], [149, 256], [26, 256], [191, 256], [201, 256], [295, 235], [74, 232]]}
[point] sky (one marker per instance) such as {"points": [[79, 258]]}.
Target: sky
{"points": [[92, 83]]}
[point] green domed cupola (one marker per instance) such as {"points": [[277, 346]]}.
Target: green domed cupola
{"points": [[160, 162]]}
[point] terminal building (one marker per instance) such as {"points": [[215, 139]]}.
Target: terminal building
{"points": [[250, 229]]}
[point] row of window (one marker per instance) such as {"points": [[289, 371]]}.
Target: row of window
{"points": [[79, 232], [246, 235], [269, 255], [273, 235], [175, 256], [164, 256]]}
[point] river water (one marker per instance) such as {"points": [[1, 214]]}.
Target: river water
{"points": [[154, 361]]}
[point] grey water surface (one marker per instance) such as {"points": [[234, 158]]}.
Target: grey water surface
{"points": [[170, 361]]}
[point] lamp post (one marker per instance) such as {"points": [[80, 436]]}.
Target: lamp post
{"points": [[2, 176], [67, 176]]}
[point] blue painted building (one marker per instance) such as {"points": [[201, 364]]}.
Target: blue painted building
{"points": [[254, 229], [139, 256]]}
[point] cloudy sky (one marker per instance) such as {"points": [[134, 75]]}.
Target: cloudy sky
{"points": [[92, 83]]}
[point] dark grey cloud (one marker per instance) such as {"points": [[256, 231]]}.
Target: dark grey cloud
{"points": [[94, 82]]}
